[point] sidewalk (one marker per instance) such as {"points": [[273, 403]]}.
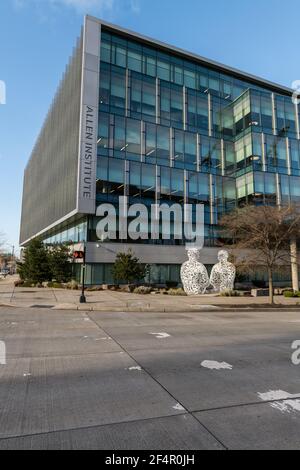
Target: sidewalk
{"points": [[109, 301]]}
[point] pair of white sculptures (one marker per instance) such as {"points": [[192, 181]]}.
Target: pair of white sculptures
{"points": [[195, 278]]}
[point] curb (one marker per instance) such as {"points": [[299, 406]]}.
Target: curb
{"points": [[134, 309]]}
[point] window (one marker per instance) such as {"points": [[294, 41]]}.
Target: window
{"points": [[134, 61], [177, 185], [280, 113], [121, 56], [178, 75], [136, 96], [103, 134], [190, 79], [259, 185], [105, 51], [163, 67], [176, 106], [295, 154], [149, 182], [149, 98], [163, 143], [205, 153], [150, 143], [165, 103], [118, 90], [229, 156], [193, 188], [285, 189], [179, 149], [290, 116], [133, 139], [135, 180], [190, 150], [104, 87], [165, 181], [119, 137], [151, 66], [197, 111], [116, 171], [295, 189], [204, 193], [270, 188], [266, 112]]}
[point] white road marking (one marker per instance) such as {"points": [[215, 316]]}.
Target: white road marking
{"points": [[26, 375], [134, 368], [178, 407], [214, 365], [290, 404], [161, 335]]}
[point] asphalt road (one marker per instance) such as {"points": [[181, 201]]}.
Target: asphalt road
{"points": [[118, 381]]}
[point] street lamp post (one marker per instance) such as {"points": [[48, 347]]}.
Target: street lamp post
{"points": [[83, 297]]}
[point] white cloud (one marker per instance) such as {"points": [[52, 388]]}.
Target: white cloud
{"points": [[84, 6]]}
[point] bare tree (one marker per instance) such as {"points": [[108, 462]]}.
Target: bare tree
{"points": [[2, 240], [262, 236]]}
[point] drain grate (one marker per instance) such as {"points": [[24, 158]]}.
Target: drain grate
{"points": [[42, 306]]}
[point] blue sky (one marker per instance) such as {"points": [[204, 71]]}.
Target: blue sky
{"points": [[37, 36]]}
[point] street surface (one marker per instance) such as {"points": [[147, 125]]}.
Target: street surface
{"points": [[121, 380]]}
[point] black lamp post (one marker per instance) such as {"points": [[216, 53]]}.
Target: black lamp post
{"points": [[83, 297]]}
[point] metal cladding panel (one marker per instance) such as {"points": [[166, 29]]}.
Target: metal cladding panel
{"points": [[50, 178], [86, 196]]}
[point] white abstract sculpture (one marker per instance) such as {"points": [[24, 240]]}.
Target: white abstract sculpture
{"points": [[194, 275], [223, 274]]}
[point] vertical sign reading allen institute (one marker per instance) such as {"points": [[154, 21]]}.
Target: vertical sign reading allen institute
{"points": [[89, 118], [88, 154]]}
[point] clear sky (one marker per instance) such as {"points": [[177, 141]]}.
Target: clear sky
{"points": [[36, 38]]}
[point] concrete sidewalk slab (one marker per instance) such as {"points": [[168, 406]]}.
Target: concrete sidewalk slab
{"points": [[64, 393], [175, 432], [254, 427], [62, 299]]}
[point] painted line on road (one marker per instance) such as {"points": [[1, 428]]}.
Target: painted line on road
{"points": [[286, 403], [214, 365], [160, 335]]}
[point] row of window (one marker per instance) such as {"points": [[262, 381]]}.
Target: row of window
{"points": [[74, 233], [140, 97], [154, 63], [131, 139], [102, 273], [146, 183]]}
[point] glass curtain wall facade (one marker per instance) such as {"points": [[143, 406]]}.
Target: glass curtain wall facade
{"points": [[177, 129], [171, 130]]}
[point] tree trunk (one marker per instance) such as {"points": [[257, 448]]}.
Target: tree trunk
{"points": [[294, 264], [271, 288]]}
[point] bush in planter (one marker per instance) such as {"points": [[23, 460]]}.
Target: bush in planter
{"points": [[142, 290], [28, 284], [179, 292], [73, 285], [127, 268], [231, 293], [291, 295], [57, 285]]}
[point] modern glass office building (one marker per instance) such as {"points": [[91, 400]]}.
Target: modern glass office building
{"points": [[138, 118]]}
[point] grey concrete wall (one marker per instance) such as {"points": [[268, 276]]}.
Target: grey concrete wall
{"points": [[149, 254]]}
